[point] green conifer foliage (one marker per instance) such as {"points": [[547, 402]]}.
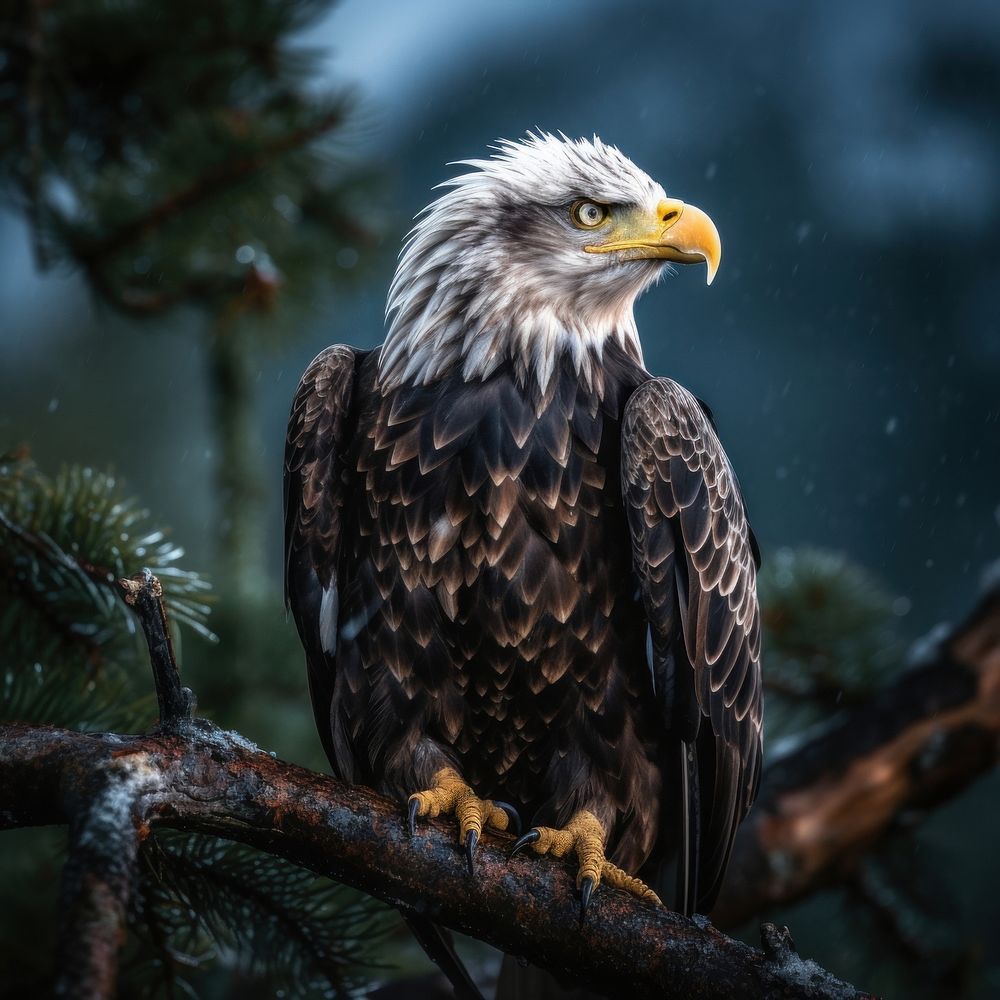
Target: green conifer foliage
{"points": [[181, 156], [170, 149], [204, 903], [831, 635], [70, 653]]}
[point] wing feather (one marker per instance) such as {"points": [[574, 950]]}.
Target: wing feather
{"points": [[319, 433], [676, 478]]}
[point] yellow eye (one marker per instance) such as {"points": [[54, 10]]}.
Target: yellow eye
{"points": [[588, 214]]}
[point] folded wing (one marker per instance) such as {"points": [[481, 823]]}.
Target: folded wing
{"points": [[696, 560], [319, 433]]}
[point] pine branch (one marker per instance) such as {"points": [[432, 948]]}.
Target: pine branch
{"points": [[67, 643], [214, 180], [74, 532], [277, 920], [67, 635], [201, 135]]}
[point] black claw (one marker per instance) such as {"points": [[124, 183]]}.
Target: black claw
{"points": [[586, 891], [513, 817], [412, 815], [529, 838], [471, 839]]}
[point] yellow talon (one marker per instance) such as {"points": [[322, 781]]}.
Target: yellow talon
{"points": [[584, 836], [450, 794], [619, 879]]}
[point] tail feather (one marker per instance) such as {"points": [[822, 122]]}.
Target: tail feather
{"points": [[689, 858], [440, 948], [527, 982]]}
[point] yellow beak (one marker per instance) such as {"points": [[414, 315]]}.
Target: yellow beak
{"points": [[677, 232]]}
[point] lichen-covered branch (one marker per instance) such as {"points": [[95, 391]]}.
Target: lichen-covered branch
{"points": [[196, 777], [190, 775], [830, 795], [104, 837]]}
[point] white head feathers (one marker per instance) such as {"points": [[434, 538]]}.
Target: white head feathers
{"points": [[494, 268]]}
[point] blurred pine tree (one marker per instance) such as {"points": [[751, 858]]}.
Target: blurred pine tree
{"points": [[831, 636], [180, 156]]}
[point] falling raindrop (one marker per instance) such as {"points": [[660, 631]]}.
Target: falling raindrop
{"points": [[347, 257]]}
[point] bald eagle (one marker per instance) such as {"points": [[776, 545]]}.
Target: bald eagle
{"points": [[519, 563]]}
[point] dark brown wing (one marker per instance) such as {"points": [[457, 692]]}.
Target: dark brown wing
{"points": [[696, 561], [319, 432]]}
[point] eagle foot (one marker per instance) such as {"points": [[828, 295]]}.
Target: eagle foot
{"points": [[583, 835], [451, 795]]}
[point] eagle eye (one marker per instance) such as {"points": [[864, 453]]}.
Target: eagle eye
{"points": [[588, 214]]}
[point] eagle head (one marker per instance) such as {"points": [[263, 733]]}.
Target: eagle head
{"points": [[536, 253]]}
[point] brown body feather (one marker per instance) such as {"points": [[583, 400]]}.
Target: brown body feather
{"points": [[473, 588]]}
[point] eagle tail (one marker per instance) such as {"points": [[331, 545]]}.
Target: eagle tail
{"points": [[527, 982], [440, 949], [690, 840]]}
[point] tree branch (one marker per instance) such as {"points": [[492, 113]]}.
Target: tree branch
{"points": [[202, 779], [104, 838], [191, 775], [826, 800], [831, 794], [144, 594]]}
